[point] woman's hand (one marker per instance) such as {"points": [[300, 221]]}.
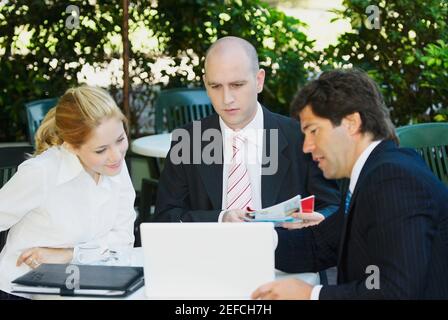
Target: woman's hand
{"points": [[34, 257]]}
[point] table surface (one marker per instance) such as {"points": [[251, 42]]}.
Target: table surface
{"points": [[156, 145], [137, 260], [14, 144]]}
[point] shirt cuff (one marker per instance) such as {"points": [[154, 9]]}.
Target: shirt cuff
{"points": [[75, 255], [221, 215], [275, 235], [88, 254], [315, 292]]}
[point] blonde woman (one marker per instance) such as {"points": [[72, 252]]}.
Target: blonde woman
{"points": [[75, 193]]}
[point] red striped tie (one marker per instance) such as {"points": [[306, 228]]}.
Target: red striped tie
{"points": [[239, 192]]}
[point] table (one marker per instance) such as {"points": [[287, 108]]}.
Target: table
{"points": [[155, 149], [137, 261], [14, 144], [156, 145]]}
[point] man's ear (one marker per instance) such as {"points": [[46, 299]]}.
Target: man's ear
{"points": [[260, 80], [204, 79], [352, 122]]}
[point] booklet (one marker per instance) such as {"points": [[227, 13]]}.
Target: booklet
{"points": [[282, 212], [80, 280]]}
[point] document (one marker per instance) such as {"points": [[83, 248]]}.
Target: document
{"points": [[80, 280], [283, 211]]}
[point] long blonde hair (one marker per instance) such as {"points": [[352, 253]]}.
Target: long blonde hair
{"points": [[77, 113]]}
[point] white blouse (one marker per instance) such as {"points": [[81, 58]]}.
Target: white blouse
{"points": [[53, 202]]}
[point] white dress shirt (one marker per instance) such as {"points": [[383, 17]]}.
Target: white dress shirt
{"points": [[251, 155], [53, 202], [356, 171]]}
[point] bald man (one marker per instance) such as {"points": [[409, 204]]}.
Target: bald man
{"points": [[257, 158]]}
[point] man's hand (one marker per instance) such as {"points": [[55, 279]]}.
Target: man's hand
{"points": [[287, 289], [234, 215], [308, 219], [34, 257]]}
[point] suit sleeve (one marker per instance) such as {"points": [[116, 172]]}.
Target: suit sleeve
{"points": [[173, 198], [400, 225], [309, 249]]}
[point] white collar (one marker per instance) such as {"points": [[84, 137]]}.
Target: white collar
{"points": [[252, 131], [359, 164], [70, 167]]}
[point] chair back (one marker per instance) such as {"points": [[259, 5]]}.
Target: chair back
{"points": [[177, 107], [35, 113], [10, 158], [431, 141]]}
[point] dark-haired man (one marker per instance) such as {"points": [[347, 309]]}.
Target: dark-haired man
{"points": [[389, 240]]}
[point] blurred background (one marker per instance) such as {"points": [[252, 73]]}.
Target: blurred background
{"points": [[47, 46]]}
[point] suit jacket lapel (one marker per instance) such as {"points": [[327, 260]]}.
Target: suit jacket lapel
{"points": [[270, 184], [383, 146], [211, 174]]}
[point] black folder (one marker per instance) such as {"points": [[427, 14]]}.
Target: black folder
{"points": [[93, 280]]}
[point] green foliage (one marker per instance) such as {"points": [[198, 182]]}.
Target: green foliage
{"points": [[47, 64], [187, 28], [435, 74], [407, 55], [183, 29]]}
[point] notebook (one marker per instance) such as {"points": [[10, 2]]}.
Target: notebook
{"points": [[80, 280], [206, 260]]}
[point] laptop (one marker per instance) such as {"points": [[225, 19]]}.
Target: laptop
{"points": [[206, 260]]}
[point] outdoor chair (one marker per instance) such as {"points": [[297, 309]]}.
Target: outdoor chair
{"points": [[10, 158], [177, 107], [35, 113], [431, 141]]}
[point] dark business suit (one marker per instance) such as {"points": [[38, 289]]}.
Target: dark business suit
{"points": [[397, 220], [193, 192]]}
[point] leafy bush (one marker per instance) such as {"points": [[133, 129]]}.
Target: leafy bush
{"points": [[407, 55], [183, 30], [191, 26], [435, 74], [48, 63]]}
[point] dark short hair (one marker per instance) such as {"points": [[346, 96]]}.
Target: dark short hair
{"points": [[338, 93]]}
